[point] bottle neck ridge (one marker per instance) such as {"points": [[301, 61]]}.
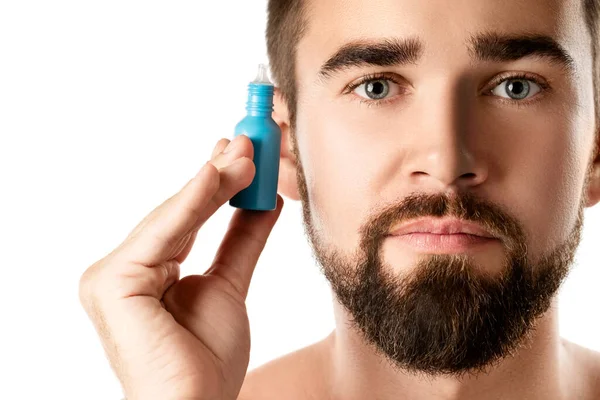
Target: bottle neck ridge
{"points": [[260, 99]]}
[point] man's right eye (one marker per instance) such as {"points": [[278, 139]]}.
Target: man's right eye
{"points": [[376, 88]]}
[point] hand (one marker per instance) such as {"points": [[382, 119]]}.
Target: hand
{"points": [[168, 338]]}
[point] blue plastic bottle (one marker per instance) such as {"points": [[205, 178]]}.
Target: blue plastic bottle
{"points": [[265, 135]]}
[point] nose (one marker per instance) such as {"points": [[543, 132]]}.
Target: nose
{"points": [[447, 150]]}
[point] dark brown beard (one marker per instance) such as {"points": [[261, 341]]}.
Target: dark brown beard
{"points": [[448, 316]]}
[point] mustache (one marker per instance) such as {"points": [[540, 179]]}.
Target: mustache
{"points": [[464, 205]]}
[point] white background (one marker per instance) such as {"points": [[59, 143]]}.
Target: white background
{"points": [[106, 109]]}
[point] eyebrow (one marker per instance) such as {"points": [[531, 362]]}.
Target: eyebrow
{"points": [[486, 46]]}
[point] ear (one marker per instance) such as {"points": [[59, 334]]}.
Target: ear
{"points": [[593, 189], [287, 184]]}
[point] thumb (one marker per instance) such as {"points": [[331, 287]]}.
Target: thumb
{"points": [[242, 245]]}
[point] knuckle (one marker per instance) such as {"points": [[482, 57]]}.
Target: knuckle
{"points": [[214, 177], [86, 283], [90, 283]]}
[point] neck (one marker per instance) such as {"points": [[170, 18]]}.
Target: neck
{"points": [[538, 370]]}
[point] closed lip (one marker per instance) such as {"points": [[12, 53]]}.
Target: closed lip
{"points": [[442, 226]]}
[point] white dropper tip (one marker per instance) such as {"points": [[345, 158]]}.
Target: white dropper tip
{"points": [[262, 76]]}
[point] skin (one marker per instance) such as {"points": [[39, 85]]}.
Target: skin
{"points": [[531, 161], [160, 331]]}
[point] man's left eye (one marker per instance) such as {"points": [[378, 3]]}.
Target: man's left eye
{"points": [[377, 89], [517, 89]]}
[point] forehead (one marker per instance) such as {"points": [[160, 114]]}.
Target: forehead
{"points": [[443, 27]]}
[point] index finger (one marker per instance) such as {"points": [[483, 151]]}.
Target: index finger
{"points": [[159, 233], [166, 231]]}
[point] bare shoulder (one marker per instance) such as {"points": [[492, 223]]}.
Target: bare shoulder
{"points": [[587, 364], [300, 375]]}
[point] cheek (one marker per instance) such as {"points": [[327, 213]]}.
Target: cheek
{"points": [[543, 176], [340, 156]]}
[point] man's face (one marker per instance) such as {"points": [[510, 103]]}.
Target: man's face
{"points": [[452, 123]]}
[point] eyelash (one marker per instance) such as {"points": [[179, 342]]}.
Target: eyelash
{"points": [[388, 77], [372, 77]]}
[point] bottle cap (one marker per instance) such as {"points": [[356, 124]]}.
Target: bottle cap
{"points": [[262, 77]]}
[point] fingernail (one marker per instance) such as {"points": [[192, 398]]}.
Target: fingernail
{"points": [[230, 146]]}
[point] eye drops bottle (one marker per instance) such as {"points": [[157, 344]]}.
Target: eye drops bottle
{"points": [[265, 135]]}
